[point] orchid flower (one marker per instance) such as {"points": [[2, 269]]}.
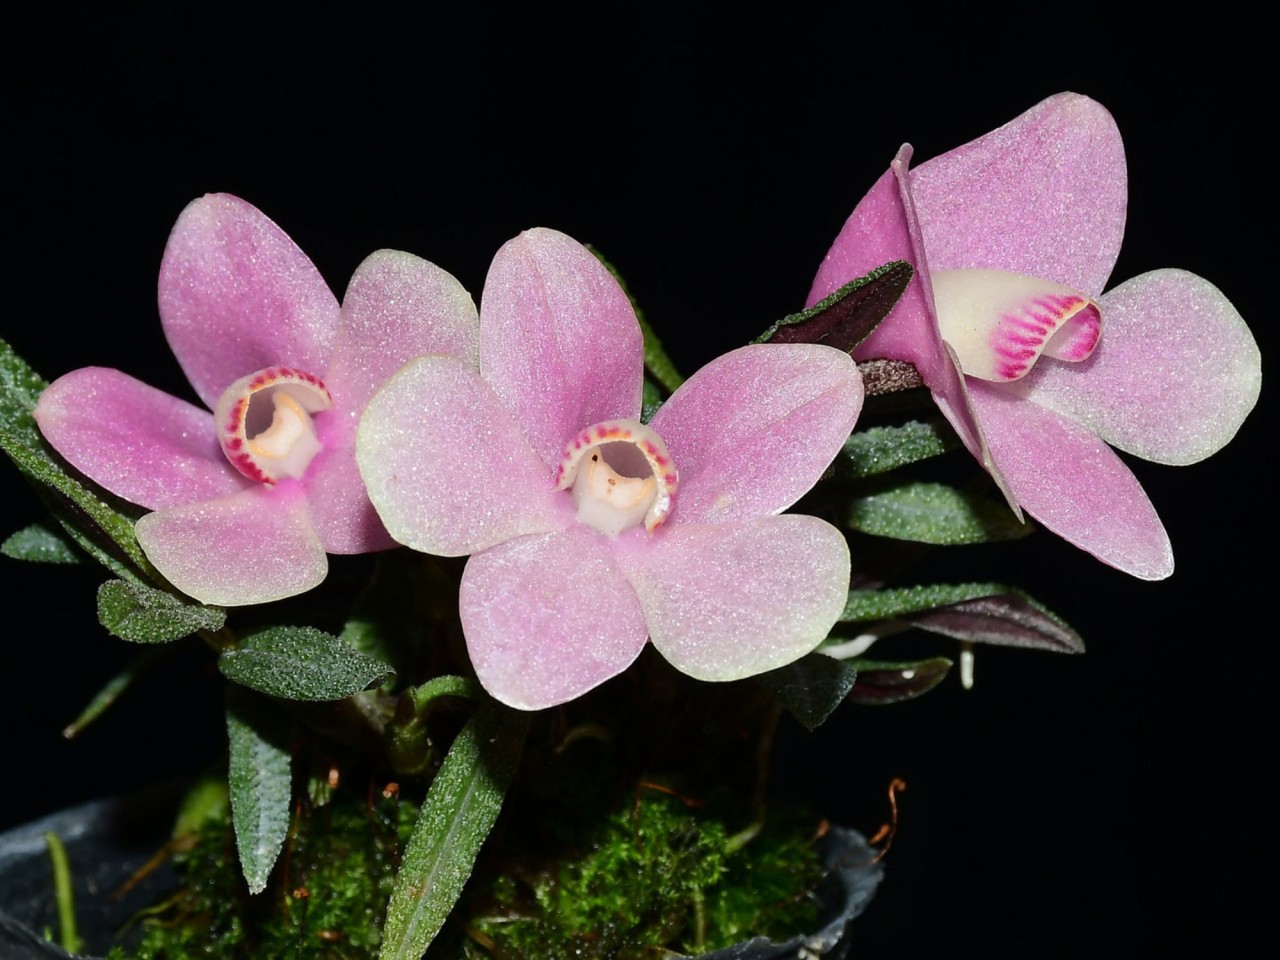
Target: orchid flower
{"points": [[588, 531], [248, 499], [1013, 237]]}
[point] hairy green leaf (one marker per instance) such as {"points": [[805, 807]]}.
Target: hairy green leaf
{"points": [[141, 614], [881, 449], [868, 605], [260, 783], [302, 663], [934, 513], [845, 318], [38, 544], [459, 811], [812, 687]]}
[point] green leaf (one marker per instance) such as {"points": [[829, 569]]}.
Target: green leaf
{"points": [[868, 605], [260, 784], [934, 513], [38, 544], [847, 317], [302, 663], [881, 449], [141, 614], [812, 687], [881, 682], [110, 692], [650, 400], [456, 817], [93, 520]]}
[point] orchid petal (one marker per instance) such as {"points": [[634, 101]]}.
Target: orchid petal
{"points": [[237, 295], [1073, 483], [559, 342], [753, 431], [397, 307], [340, 509], [1043, 195], [448, 468], [549, 617], [254, 546], [1173, 378], [883, 228], [999, 323], [140, 443], [730, 600]]}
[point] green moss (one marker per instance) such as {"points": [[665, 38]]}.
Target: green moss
{"points": [[325, 900], [659, 874]]}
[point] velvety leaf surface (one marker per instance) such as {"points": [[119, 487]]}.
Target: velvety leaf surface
{"points": [[934, 513], [812, 687], [302, 663], [846, 317], [868, 605], [1009, 619], [456, 817], [38, 544], [260, 784], [142, 614], [881, 449]]}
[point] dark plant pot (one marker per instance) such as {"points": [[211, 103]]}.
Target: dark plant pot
{"points": [[108, 840]]}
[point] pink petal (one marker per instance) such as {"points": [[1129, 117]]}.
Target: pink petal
{"points": [[1174, 376], [752, 431], [397, 307], [1073, 483], [448, 468], [730, 600], [559, 342], [255, 546], [1044, 195], [883, 228], [140, 443], [549, 617], [340, 509], [237, 295]]}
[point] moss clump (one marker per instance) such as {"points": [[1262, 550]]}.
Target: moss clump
{"points": [[325, 901], [657, 875]]}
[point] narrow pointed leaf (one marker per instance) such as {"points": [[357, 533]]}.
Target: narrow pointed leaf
{"points": [[141, 614], [302, 663], [865, 606], [934, 513], [1009, 619], [110, 693], [38, 544], [847, 317], [812, 687], [881, 682], [881, 449], [260, 784], [456, 817]]}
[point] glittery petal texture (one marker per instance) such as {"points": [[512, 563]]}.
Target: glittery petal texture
{"points": [[752, 431], [1044, 195], [549, 617], [1175, 375], [1073, 483], [559, 342], [237, 295], [448, 468], [251, 547], [140, 443], [727, 601]]}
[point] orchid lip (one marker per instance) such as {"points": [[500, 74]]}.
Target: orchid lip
{"points": [[621, 474], [265, 426], [1000, 323]]}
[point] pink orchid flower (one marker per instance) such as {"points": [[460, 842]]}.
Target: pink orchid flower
{"points": [[589, 531], [248, 499], [1013, 237]]}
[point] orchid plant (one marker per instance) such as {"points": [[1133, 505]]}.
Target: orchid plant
{"points": [[603, 502]]}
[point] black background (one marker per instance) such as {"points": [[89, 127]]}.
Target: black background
{"points": [[1066, 804]]}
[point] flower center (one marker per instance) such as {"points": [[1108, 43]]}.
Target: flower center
{"points": [[264, 422], [621, 474], [999, 323]]}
